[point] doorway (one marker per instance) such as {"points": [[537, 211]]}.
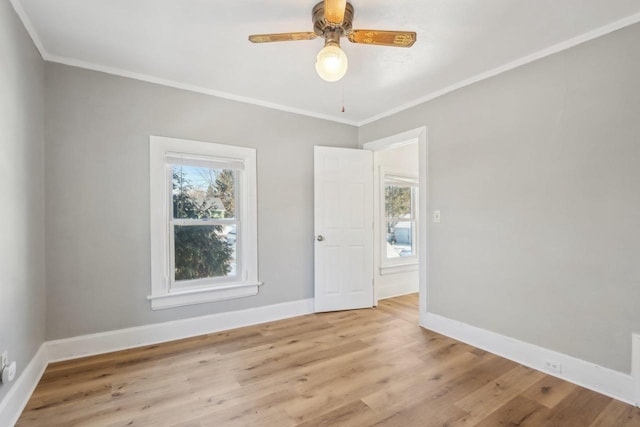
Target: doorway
{"points": [[396, 214], [398, 147]]}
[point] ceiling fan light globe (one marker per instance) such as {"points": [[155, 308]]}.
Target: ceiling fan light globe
{"points": [[331, 63]]}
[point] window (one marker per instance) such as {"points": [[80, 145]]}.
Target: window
{"points": [[400, 220], [203, 222]]}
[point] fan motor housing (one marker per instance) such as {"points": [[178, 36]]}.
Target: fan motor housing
{"points": [[323, 28]]}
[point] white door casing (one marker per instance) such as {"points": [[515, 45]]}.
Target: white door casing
{"points": [[423, 203], [343, 224]]}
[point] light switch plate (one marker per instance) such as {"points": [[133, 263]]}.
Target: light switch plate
{"points": [[436, 216]]}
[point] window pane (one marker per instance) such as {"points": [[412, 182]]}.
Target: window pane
{"points": [[204, 251], [400, 239], [200, 192], [397, 201]]}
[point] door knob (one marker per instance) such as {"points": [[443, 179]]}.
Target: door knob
{"points": [[320, 238]]}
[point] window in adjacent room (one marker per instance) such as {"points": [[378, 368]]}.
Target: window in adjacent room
{"points": [[400, 220], [203, 222]]}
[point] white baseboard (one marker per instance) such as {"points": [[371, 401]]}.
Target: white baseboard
{"points": [[122, 339], [385, 292], [603, 380], [18, 395]]}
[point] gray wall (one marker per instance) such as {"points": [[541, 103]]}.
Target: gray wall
{"points": [[537, 175], [22, 294], [97, 194]]}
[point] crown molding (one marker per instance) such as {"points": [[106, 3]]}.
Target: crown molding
{"points": [[28, 25], [590, 35], [191, 88], [593, 34]]}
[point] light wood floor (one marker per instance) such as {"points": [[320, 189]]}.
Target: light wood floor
{"points": [[355, 368]]}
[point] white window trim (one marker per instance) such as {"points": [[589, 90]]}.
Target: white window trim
{"points": [[246, 282], [401, 264]]}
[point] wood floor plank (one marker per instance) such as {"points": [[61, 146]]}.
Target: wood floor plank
{"points": [[549, 391], [418, 386], [618, 414], [350, 381], [519, 411], [578, 409], [352, 368], [423, 415], [352, 414], [492, 396], [404, 307]]}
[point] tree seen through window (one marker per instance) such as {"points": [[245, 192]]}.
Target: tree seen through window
{"points": [[204, 243]]}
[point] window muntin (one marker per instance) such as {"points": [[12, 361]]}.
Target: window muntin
{"points": [[400, 234]]}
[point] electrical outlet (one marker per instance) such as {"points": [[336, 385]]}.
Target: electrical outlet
{"points": [[554, 367], [5, 359], [8, 373]]}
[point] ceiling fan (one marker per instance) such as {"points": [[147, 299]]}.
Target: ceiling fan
{"points": [[332, 19]]}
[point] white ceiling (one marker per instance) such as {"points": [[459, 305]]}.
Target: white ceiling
{"points": [[202, 45]]}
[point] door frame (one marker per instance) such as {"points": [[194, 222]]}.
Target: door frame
{"points": [[419, 135]]}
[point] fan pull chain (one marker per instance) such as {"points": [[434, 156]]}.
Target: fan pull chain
{"points": [[343, 97]]}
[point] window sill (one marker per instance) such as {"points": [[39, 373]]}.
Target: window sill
{"points": [[198, 296], [400, 268]]}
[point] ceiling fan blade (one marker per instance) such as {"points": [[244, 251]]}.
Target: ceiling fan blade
{"points": [[383, 38], [334, 11], [282, 37]]}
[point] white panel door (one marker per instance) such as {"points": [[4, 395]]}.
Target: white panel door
{"points": [[343, 196]]}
